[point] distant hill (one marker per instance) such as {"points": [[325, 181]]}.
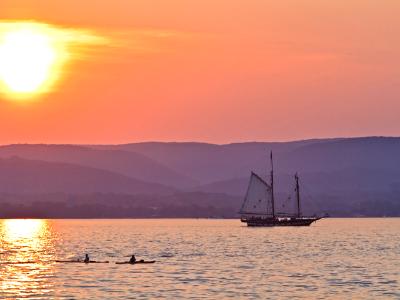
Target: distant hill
{"points": [[343, 176], [207, 163], [134, 165], [371, 152], [21, 176], [338, 181]]}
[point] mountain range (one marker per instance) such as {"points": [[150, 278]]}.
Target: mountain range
{"points": [[341, 176]]}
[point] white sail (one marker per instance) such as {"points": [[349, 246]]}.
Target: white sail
{"points": [[258, 197]]}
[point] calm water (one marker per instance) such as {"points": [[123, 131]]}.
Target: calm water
{"points": [[335, 258]]}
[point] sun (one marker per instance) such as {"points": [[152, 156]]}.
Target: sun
{"points": [[29, 55], [33, 55], [26, 59]]}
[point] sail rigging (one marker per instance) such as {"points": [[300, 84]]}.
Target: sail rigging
{"points": [[258, 199]]}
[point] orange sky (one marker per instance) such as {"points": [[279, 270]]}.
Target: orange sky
{"points": [[216, 71]]}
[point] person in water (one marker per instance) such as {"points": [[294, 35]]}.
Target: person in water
{"points": [[86, 258], [133, 259]]}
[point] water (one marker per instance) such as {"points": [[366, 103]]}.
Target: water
{"points": [[215, 259]]}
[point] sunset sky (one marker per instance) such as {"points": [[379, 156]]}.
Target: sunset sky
{"points": [[208, 70]]}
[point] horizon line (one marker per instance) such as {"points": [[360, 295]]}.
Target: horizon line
{"points": [[203, 142]]}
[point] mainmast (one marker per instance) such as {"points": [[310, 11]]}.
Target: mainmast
{"points": [[272, 187], [296, 177]]}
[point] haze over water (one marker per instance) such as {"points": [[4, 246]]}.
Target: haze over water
{"points": [[335, 258]]}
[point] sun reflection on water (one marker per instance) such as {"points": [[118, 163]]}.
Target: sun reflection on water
{"points": [[26, 249], [22, 229]]}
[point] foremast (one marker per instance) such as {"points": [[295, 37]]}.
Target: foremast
{"points": [[272, 188], [296, 178]]}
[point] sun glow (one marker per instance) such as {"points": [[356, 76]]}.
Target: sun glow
{"points": [[26, 58], [33, 56], [23, 229]]}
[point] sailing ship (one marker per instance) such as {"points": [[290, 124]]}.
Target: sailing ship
{"points": [[258, 208]]}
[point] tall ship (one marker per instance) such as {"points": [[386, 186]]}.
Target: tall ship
{"points": [[258, 208]]}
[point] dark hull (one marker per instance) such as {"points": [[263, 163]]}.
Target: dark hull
{"points": [[135, 263], [270, 222]]}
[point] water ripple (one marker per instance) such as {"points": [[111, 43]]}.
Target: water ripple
{"points": [[200, 259]]}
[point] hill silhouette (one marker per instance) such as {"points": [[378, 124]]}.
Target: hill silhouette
{"points": [[343, 176], [22, 176], [131, 164]]}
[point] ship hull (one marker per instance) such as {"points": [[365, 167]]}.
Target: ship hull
{"points": [[272, 222]]}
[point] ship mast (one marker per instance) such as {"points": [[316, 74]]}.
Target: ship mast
{"points": [[296, 177], [272, 187]]}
